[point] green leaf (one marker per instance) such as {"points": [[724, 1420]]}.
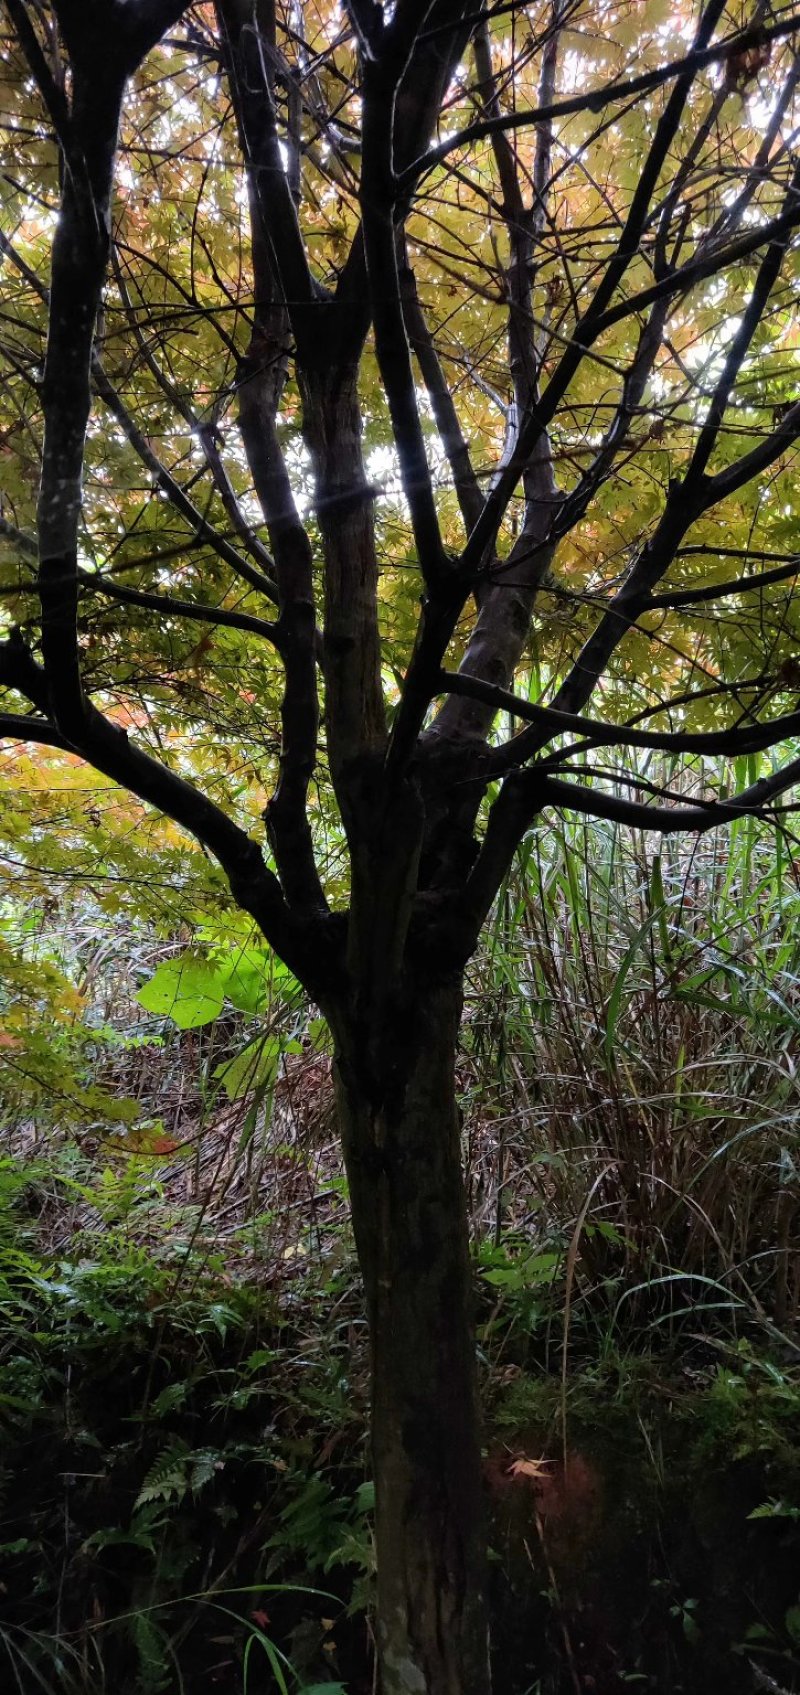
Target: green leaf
{"points": [[186, 989], [322, 1689], [254, 1067], [244, 976], [526, 1274], [775, 1509], [792, 1623], [615, 998]]}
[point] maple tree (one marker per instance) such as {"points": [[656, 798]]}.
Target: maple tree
{"points": [[399, 436]]}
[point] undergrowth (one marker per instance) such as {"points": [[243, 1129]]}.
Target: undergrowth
{"points": [[182, 1476], [185, 1500], [184, 1487]]}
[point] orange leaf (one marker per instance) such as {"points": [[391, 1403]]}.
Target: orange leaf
{"points": [[528, 1468]]}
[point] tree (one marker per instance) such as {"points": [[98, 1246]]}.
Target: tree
{"points": [[536, 269]]}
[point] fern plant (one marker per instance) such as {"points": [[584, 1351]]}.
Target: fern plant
{"points": [[178, 1471]]}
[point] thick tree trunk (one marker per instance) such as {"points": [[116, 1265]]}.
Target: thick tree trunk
{"points": [[400, 1125]]}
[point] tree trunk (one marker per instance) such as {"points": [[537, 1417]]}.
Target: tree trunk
{"points": [[396, 1092]]}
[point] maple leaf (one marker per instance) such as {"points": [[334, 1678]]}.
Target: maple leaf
{"points": [[524, 1467]]}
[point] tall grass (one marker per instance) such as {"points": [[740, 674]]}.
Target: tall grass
{"points": [[633, 1025]]}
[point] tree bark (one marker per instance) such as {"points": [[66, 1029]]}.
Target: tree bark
{"points": [[400, 1124]]}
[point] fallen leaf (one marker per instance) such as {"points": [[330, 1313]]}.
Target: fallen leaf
{"points": [[528, 1468]]}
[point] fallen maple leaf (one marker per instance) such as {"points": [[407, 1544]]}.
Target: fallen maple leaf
{"points": [[528, 1468]]}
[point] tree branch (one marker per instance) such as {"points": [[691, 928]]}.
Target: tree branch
{"points": [[249, 71], [171, 607], [53, 96], [377, 201], [202, 432], [525, 794], [688, 498], [202, 530], [739, 739], [131, 28], [79, 260], [598, 315], [438, 623], [262, 374], [719, 591], [418, 104], [451, 435], [768, 273], [596, 100], [507, 601], [752, 802], [15, 726]]}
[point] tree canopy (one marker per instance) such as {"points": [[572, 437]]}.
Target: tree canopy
{"points": [[576, 475]]}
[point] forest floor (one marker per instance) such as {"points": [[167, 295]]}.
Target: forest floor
{"points": [[185, 1478]]}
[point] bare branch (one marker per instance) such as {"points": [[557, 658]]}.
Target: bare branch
{"points": [[689, 497], [507, 601], [202, 431], [202, 531], [437, 625]]}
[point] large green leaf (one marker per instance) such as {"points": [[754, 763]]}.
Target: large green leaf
{"points": [[186, 989]]}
